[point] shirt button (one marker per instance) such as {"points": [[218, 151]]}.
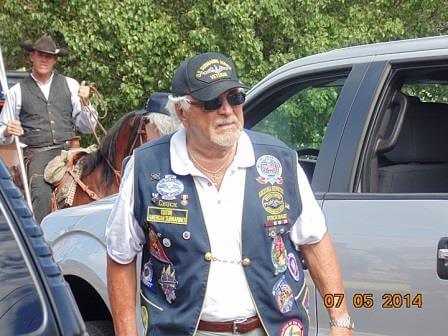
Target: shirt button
{"points": [[209, 184], [219, 201], [246, 262], [51, 121], [208, 256]]}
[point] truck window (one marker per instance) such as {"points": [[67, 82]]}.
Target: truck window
{"points": [[407, 149], [301, 119], [20, 307]]}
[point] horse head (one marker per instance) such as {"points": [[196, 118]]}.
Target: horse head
{"points": [[127, 134]]}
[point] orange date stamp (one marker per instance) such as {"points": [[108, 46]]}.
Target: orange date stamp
{"points": [[368, 300]]}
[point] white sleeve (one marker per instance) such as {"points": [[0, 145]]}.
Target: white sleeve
{"points": [[12, 107], [84, 120], [124, 236], [310, 227]]}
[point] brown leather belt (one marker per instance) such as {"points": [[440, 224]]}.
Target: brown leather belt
{"points": [[240, 326]]}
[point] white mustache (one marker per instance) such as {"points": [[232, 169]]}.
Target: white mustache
{"points": [[225, 120]]}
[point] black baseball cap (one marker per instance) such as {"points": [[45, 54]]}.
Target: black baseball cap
{"points": [[205, 76]]}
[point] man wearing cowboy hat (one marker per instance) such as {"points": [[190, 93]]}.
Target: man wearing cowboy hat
{"points": [[46, 108]]}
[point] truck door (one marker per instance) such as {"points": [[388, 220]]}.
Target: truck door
{"points": [[297, 107], [387, 205]]}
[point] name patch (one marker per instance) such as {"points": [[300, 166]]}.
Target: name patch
{"points": [[167, 215]]}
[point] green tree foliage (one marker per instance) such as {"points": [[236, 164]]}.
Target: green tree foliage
{"points": [[130, 48]]}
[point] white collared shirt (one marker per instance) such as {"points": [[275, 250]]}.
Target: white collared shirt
{"points": [[228, 296], [13, 106]]}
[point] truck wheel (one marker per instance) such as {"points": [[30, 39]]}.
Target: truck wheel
{"points": [[100, 328]]}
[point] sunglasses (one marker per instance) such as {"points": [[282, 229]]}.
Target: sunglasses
{"points": [[234, 99]]}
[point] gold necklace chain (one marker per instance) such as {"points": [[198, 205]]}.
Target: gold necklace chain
{"points": [[216, 175]]}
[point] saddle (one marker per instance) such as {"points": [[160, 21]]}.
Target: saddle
{"points": [[64, 173]]}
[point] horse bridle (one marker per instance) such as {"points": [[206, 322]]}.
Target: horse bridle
{"points": [[139, 135]]}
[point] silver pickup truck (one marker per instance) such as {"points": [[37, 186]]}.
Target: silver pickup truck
{"points": [[377, 159]]}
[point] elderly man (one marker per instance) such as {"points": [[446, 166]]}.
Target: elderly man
{"points": [[160, 120], [47, 108], [218, 212]]}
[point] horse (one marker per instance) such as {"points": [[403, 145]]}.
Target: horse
{"points": [[92, 176]]}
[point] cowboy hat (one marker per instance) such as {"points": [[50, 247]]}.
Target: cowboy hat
{"points": [[44, 44]]}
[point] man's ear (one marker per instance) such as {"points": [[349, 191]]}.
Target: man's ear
{"points": [[181, 114]]}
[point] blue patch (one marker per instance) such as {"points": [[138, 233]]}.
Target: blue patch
{"points": [[147, 276], [283, 295]]}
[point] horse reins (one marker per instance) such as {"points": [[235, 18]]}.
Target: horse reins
{"points": [[86, 105], [140, 135]]}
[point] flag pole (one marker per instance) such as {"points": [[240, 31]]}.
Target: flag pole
{"points": [[4, 83]]}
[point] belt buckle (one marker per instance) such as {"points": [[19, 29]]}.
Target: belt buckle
{"points": [[236, 323]]}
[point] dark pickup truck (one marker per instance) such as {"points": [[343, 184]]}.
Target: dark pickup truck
{"points": [[377, 159], [34, 298]]}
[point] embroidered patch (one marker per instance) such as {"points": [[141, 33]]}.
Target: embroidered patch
{"points": [[292, 327], [145, 317], [168, 283], [293, 267], [169, 187], [283, 295], [147, 276], [167, 215], [165, 204], [212, 70], [278, 255], [270, 170], [280, 217], [155, 248], [273, 203]]}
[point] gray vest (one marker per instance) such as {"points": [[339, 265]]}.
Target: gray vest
{"points": [[46, 122]]}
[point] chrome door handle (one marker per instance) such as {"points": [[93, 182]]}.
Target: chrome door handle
{"points": [[442, 254]]}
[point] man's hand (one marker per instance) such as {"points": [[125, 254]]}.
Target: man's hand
{"points": [[13, 128], [84, 91]]}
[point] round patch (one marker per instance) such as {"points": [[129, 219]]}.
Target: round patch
{"points": [[270, 170], [292, 328], [283, 295], [293, 267], [273, 202], [145, 318], [169, 187]]}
